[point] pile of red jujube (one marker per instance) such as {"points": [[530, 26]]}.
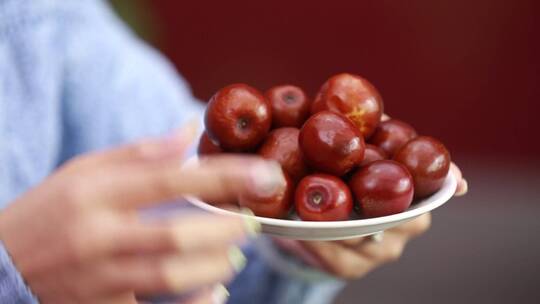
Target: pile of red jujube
{"points": [[337, 152]]}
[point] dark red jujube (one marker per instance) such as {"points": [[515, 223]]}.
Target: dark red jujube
{"points": [[383, 187], [428, 160], [354, 97], [323, 197], [331, 143], [282, 146], [238, 117], [290, 106]]}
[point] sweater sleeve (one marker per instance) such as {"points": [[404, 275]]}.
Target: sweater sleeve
{"points": [[13, 290], [114, 89]]}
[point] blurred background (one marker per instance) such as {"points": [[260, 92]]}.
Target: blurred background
{"points": [[466, 72]]}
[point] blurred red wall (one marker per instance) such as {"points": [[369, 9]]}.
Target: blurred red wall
{"points": [[467, 72]]}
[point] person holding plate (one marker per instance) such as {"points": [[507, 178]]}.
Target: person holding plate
{"points": [[89, 136]]}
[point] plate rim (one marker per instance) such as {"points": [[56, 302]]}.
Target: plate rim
{"points": [[441, 197]]}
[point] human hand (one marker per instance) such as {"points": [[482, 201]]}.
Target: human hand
{"points": [[78, 237], [351, 259]]}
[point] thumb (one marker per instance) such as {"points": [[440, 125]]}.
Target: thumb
{"points": [[462, 185]]}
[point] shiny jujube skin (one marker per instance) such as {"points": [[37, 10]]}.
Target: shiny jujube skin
{"points": [[323, 197], [391, 135], [290, 106], [331, 143], [428, 160], [207, 146], [238, 117], [371, 154], [354, 97], [383, 187], [275, 203], [282, 146]]}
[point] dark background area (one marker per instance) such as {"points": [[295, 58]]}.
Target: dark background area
{"points": [[466, 72]]}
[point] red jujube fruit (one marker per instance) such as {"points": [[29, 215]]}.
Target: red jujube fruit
{"points": [[290, 106], [383, 187], [371, 154], [391, 135], [207, 146], [323, 197], [282, 146], [238, 117], [428, 160], [331, 143], [354, 97]]}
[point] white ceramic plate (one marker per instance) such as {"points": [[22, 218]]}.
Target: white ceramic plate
{"points": [[340, 230]]}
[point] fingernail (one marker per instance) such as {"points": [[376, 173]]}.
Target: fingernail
{"points": [[253, 227], [266, 176], [237, 258], [220, 294], [377, 237], [462, 188]]}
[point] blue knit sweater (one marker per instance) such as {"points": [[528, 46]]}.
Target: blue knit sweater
{"points": [[73, 79]]}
